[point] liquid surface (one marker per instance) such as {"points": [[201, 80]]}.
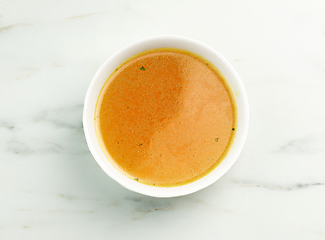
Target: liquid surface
{"points": [[166, 117]]}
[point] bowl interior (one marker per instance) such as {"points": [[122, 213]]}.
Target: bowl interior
{"points": [[169, 42]]}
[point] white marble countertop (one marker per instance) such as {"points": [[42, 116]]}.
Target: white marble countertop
{"points": [[52, 188]]}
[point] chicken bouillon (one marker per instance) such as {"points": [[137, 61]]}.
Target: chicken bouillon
{"points": [[166, 117]]}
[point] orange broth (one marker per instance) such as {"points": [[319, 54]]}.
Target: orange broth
{"points": [[166, 117]]}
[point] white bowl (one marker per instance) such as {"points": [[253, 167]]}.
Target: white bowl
{"points": [[169, 42]]}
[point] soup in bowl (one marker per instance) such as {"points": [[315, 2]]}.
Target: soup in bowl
{"points": [[166, 116]]}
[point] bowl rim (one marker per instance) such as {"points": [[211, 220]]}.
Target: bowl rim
{"points": [[166, 41]]}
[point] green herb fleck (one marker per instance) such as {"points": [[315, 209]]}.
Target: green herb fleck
{"points": [[136, 179], [233, 129], [217, 139], [142, 68], [139, 144]]}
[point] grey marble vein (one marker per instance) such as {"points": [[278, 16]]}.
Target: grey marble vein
{"points": [[297, 186], [66, 117], [7, 125], [22, 148], [85, 15], [307, 145], [15, 25], [24, 73], [74, 197]]}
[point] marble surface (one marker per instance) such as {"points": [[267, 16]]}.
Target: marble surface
{"points": [[52, 188]]}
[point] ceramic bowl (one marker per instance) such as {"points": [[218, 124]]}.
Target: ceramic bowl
{"points": [[191, 45]]}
